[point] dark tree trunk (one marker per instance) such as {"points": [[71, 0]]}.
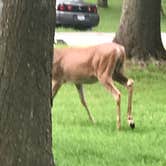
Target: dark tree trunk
{"points": [[26, 49], [102, 3], [139, 29]]}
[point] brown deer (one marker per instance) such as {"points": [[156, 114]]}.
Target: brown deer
{"points": [[103, 63]]}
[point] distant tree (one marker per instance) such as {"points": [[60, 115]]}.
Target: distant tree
{"points": [[139, 29], [26, 49], [102, 3]]}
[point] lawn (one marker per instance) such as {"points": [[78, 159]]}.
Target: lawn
{"points": [[77, 142], [109, 18]]}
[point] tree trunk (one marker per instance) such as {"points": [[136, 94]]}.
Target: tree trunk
{"points": [[26, 49], [102, 3], [139, 29]]}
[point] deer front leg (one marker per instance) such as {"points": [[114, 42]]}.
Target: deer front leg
{"points": [[82, 98], [108, 84], [130, 84], [55, 87], [119, 77]]}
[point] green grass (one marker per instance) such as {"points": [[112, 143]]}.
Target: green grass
{"points": [[77, 142], [110, 17]]}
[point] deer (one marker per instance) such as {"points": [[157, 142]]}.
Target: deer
{"points": [[87, 65]]}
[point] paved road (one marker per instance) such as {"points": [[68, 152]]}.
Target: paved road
{"points": [[88, 38]]}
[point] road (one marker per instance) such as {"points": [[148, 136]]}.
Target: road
{"points": [[88, 38]]}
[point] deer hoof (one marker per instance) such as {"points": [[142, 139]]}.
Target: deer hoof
{"points": [[92, 120], [132, 125]]}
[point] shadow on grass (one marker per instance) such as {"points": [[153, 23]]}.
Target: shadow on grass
{"points": [[109, 126]]}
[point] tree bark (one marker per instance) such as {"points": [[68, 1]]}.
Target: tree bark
{"points": [[26, 49], [102, 3], [139, 29]]}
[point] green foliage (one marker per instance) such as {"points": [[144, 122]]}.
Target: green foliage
{"points": [[110, 17], [164, 5], [77, 142]]}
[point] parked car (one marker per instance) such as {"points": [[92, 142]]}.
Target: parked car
{"points": [[76, 13]]}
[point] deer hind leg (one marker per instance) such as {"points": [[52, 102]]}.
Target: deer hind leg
{"points": [[82, 98], [109, 85], [128, 83], [129, 86]]}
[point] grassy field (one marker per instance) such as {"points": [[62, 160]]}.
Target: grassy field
{"points": [[109, 18], [77, 142]]}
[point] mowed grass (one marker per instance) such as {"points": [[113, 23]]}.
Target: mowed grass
{"points": [[77, 142]]}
